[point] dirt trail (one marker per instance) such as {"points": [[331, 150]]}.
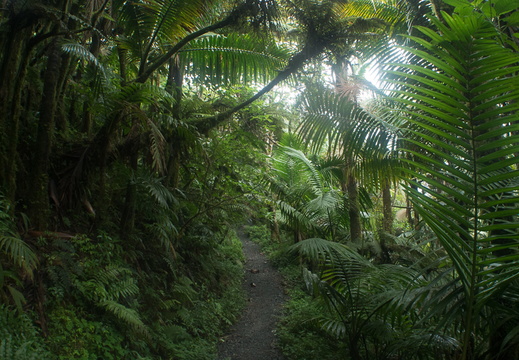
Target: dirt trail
{"points": [[253, 336]]}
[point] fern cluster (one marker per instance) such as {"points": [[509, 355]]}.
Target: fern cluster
{"points": [[19, 338]]}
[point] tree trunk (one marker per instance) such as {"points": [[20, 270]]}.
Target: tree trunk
{"points": [[387, 223], [353, 208], [174, 87], [13, 69], [39, 200], [274, 228], [387, 220], [128, 214]]}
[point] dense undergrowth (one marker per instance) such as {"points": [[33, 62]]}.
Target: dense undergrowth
{"points": [[93, 301]]}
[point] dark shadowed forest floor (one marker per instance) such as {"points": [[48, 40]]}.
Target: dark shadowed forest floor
{"points": [[253, 336]]}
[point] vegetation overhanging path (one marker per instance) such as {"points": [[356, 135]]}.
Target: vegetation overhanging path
{"points": [[253, 336]]}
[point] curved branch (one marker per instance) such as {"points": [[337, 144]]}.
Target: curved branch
{"points": [[297, 61], [146, 71]]}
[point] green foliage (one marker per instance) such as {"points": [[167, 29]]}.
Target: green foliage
{"points": [[259, 234], [147, 200], [114, 312], [300, 335], [75, 337], [307, 199], [16, 258], [374, 309], [462, 152], [19, 338], [152, 270], [233, 59], [84, 273]]}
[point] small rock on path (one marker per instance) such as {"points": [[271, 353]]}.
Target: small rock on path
{"points": [[253, 336]]}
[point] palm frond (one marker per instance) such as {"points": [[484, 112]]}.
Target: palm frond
{"points": [[170, 20], [156, 189], [320, 250], [137, 93], [82, 53], [294, 217], [305, 166], [463, 117], [233, 59], [347, 130], [390, 12]]}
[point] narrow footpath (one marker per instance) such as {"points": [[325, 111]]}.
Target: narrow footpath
{"points": [[253, 336]]}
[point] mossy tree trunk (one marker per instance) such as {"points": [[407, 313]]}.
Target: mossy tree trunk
{"points": [[14, 60], [174, 87], [39, 198], [387, 208], [353, 208]]}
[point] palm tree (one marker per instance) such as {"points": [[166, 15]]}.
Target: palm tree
{"points": [[358, 26], [361, 140]]}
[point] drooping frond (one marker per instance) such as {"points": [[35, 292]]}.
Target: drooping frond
{"points": [[233, 59], [320, 250], [169, 20], [125, 314], [19, 252], [157, 147], [347, 130], [149, 25], [388, 11], [292, 216], [16, 250], [160, 193], [307, 168], [137, 93], [82, 53]]}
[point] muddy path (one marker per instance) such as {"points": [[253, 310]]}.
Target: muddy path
{"points": [[253, 336]]}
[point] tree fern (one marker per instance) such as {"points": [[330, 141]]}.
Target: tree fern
{"points": [[462, 112]]}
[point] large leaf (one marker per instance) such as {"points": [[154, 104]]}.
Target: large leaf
{"points": [[462, 126]]}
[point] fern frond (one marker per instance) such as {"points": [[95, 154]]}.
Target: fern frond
{"points": [[160, 193], [157, 148], [320, 250], [19, 252], [127, 315]]}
